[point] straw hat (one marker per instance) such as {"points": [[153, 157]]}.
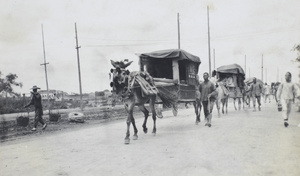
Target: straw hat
{"points": [[35, 87]]}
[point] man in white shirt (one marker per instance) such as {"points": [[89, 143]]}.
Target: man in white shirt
{"points": [[267, 92], [286, 96]]}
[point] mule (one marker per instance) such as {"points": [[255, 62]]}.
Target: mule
{"points": [[133, 95], [222, 98]]}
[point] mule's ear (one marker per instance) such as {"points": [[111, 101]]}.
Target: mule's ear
{"points": [[111, 70], [127, 72]]}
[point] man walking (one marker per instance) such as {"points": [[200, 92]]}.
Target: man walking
{"points": [[255, 92], [286, 93], [36, 100], [208, 97], [267, 92]]}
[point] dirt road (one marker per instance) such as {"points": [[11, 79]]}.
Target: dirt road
{"points": [[242, 143]]}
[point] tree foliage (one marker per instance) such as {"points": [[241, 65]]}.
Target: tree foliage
{"points": [[7, 84], [297, 48]]}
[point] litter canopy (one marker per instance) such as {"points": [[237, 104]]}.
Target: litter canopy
{"points": [[232, 68], [250, 80], [172, 54]]}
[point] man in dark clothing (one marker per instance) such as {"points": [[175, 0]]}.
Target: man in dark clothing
{"points": [[256, 91], [36, 100], [208, 97]]}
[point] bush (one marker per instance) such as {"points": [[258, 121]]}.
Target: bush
{"points": [[22, 121]]}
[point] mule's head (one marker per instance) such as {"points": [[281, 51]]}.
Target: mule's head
{"points": [[119, 80]]}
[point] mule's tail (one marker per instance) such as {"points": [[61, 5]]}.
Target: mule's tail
{"points": [[168, 98]]}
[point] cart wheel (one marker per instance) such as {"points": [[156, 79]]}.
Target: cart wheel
{"points": [[175, 110]]}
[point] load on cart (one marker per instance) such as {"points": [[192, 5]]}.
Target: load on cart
{"points": [[174, 72]]}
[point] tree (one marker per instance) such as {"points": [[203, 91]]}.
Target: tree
{"points": [[297, 48], [7, 84]]}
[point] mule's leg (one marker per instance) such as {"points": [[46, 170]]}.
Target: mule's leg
{"points": [[151, 104], [146, 114], [197, 107], [239, 102], [223, 104], [226, 103], [234, 104], [135, 136], [218, 106], [158, 110], [129, 108]]}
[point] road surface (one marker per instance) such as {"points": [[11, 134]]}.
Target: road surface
{"points": [[241, 143]]}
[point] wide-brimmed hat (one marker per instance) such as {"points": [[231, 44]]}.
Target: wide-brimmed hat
{"points": [[35, 87]]}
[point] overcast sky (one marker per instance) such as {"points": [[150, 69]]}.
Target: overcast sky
{"points": [[118, 29]]}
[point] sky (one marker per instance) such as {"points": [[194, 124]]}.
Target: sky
{"points": [[245, 32]]}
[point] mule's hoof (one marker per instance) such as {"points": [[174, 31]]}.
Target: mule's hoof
{"points": [[145, 130], [206, 124], [209, 125], [135, 137], [127, 141]]}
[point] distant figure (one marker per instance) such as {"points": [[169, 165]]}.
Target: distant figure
{"points": [[255, 92], [36, 100], [208, 96], [267, 92], [286, 93]]}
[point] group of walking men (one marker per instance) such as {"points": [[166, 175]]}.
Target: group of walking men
{"points": [[286, 95]]}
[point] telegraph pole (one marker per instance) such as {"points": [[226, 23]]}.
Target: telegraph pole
{"points": [[45, 66], [208, 42], [78, 61], [214, 60], [245, 65], [266, 76], [277, 75], [178, 26], [262, 68]]}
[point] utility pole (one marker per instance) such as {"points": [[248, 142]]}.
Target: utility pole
{"points": [[178, 26], [208, 42], [266, 75], [214, 60], [245, 65], [262, 68], [45, 66], [277, 75], [78, 61]]}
